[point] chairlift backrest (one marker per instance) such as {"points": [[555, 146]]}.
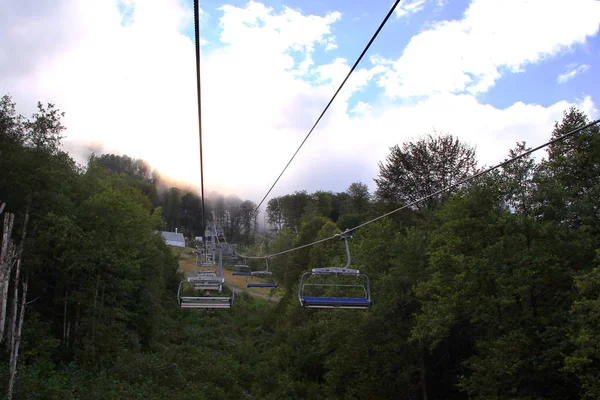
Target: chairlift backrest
{"points": [[264, 275], [334, 274]]}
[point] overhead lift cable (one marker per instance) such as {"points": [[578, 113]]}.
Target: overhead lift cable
{"points": [[197, 45], [443, 190], [389, 14]]}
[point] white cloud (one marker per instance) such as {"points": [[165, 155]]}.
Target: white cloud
{"points": [[493, 35], [368, 137], [408, 7], [132, 88], [361, 108], [572, 71], [356, 143]]}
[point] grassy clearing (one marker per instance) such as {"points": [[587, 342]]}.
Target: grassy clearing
{"points": [[187, 259]]}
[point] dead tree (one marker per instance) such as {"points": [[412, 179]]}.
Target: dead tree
{"points": [[15, 299], [11, 255], [7, 260], [16, 342]]}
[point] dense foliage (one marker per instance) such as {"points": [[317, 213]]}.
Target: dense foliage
{"points": [[492, 293], [181, 207]]}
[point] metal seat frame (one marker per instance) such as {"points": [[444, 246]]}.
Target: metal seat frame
{"points": [[336, 302], [266, 274], [207, 282], [205, 301], [241, 270]]}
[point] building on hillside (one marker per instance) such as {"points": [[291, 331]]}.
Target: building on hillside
{"points": [[174, 238]]}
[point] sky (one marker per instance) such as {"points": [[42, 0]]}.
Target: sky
{"points": [[490, 72]]}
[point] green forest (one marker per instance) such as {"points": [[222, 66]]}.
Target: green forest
{"points": [[490, 291]]}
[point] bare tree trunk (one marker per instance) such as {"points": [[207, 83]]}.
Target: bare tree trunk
{"points": [[76, 322], [94, 318], [68, 331], [423, 380], [12, 321], [65, 318], [102, 296], [6, 263], [14, 355], [13, 316]]}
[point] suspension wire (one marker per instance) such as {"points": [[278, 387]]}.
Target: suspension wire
{"points": [[440, 191], [197, 46], [331, 101]]}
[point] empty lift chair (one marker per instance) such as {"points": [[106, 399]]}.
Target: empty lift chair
{"points": [[241, 270], [325, 280], [206, 278], [209, 260], [207, 282], [207, 271], [261, 279], [213, 301], [200, 255], [212, 287]]}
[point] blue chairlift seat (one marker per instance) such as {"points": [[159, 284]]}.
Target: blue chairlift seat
{"points": [[264, 278], [261, 275], [336, 302], [261, 285], [328, 301], [332, 277]]}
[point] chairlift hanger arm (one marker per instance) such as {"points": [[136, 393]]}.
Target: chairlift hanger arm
{"points": [[345, 270]]}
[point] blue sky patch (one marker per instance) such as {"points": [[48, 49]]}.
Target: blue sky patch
{"points": [[536, 84]]}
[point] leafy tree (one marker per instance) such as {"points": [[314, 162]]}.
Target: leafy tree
{"points": [[337, 203], [584, 360], [248, 219], [274, 214], [571, 175], [359, 200], [421, 168], [233, 218], [12, 128], [172, 209], [45, 128], [191, 215], [319, 205], [293, 208], [124, 165], [492, 295]]}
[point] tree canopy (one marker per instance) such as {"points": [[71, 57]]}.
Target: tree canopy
{"points": [[420, 168], [493, 293]]}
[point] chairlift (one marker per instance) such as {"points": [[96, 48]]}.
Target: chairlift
{"points": [[261, 279], [207, 301], [330, 281], [227, 251], [241, 270], [207, 281], [209, 261]]}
